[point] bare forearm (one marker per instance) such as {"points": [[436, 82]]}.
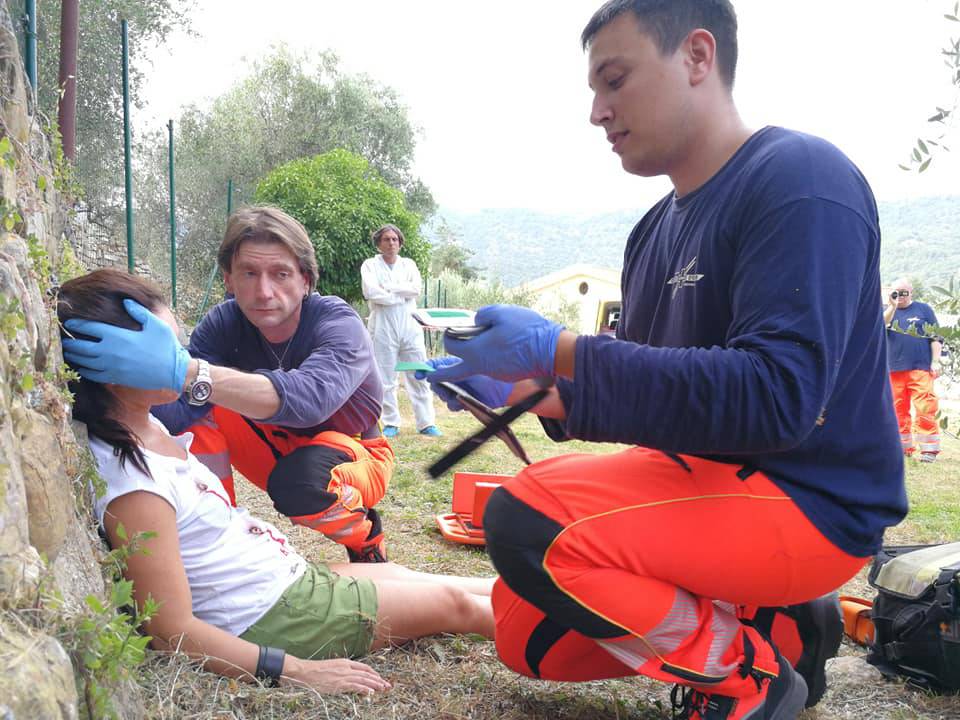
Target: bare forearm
{"points": [[221, 652], [550, 407], [563, 365], [565, 358], [249, 394], [888, 314], [234, 657]]}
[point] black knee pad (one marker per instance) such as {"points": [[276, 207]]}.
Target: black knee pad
{"points": [[515, 531], [518, 537], [298, 482]]}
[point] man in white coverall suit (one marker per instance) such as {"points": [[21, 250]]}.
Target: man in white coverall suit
{"points": [[391, 285]]}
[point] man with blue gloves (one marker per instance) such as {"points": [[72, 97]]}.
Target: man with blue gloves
{"points": [[748, 375], [278, 382]]}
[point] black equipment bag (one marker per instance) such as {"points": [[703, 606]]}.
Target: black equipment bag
{"points": [[917, 615]]}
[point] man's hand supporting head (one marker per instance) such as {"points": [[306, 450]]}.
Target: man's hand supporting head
{"points": [[150, 358]]}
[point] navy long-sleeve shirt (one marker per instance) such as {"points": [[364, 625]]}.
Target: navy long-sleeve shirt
{"points": [[328, 380], [750, 333]]}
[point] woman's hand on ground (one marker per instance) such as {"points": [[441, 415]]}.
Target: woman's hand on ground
{"points": [[334, 676]]}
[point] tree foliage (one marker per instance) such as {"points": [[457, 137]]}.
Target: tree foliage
{"points": [[947, 298], [99, 81], [341, 199], [922, 153], [449, 255], [452, 257], [288, 107]]}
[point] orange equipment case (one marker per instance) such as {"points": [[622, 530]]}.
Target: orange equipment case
{"points": [[470, 494]]}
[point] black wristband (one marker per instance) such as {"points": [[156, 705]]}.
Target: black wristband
{"points": [[270, 665]]}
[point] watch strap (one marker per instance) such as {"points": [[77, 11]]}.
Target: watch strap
{"points": [[203, 379], [270, 665]]}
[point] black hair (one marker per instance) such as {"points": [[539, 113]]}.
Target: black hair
{"points": [[668, 22], [99, 296]]}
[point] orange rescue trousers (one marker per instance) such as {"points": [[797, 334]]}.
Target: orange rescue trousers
{"points": [[642, 562], [915, 387], [328, 482]]}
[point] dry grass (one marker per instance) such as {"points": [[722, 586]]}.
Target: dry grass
{"points": [[454, 678]]}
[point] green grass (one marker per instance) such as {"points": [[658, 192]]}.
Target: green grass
{"points": [[455, 678], [934, 494]]}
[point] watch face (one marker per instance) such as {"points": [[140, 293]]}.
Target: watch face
{"points": [[200, 392]]}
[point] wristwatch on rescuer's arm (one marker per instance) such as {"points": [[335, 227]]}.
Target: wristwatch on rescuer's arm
{"points": [[199, 391]]}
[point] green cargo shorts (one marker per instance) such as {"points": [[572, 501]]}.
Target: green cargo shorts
{"points": [[322, 615]]}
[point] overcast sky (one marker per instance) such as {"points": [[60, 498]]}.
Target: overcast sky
{"points": [[498, 88]]}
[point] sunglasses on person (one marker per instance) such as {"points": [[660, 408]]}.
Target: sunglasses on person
{"points": [[493, 424]]}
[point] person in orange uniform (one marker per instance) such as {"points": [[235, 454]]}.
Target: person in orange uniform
{"points": [[914, 364], [747, 374], [278, 382]]}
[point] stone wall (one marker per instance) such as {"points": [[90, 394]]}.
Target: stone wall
{"points": [[48, 547]]}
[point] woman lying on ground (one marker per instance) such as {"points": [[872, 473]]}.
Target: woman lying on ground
{"points": [[230, 588]]}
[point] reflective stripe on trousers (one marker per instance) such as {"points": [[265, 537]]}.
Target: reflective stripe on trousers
{"points": [[644, 558]]}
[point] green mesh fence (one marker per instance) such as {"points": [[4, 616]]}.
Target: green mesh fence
{"points": [[97, 224]]}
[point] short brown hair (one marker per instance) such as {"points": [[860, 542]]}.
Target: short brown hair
{"points": [[265, 224]]}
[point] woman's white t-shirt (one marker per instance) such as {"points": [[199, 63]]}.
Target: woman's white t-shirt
{"points": [[237, 566]]}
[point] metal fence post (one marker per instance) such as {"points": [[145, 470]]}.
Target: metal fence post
{"points": [[173, 221], [67, 76], [30, 43], [127, 169]]}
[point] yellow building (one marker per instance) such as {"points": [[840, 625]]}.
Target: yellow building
{"points": [[594, 290]]}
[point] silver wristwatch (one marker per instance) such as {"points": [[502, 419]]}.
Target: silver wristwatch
{"points": [[199, 391]]}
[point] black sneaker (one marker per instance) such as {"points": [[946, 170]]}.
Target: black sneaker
{"points": [[779, 698], [373, 550], [820, 626], [368, 554]]}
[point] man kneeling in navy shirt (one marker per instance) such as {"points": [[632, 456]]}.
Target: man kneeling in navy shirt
{"points": [[278, 382], [748, 372]]}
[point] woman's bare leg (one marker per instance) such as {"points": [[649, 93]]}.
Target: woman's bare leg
{"points": [[392, 571], [408, 610]]}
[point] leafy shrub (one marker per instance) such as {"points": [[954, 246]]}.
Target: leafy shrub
{"points": [[341, 200]]}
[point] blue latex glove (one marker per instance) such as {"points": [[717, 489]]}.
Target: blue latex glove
{"points": [[492, 393], [150, 358], [518, 343]]}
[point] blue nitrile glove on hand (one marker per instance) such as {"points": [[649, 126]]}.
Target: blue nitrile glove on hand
{"points": [[517, 344], [150, 358], [492, 393]]}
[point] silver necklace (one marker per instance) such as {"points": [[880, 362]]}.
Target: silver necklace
{"points": [[279, 358]]}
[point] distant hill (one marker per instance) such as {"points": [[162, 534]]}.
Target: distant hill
{"points": [[921, 238]]}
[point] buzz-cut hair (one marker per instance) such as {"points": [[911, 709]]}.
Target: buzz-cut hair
{"points": [[668, 22]]}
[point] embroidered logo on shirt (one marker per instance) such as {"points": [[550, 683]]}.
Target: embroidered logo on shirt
{"points": [[684, 278]]}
